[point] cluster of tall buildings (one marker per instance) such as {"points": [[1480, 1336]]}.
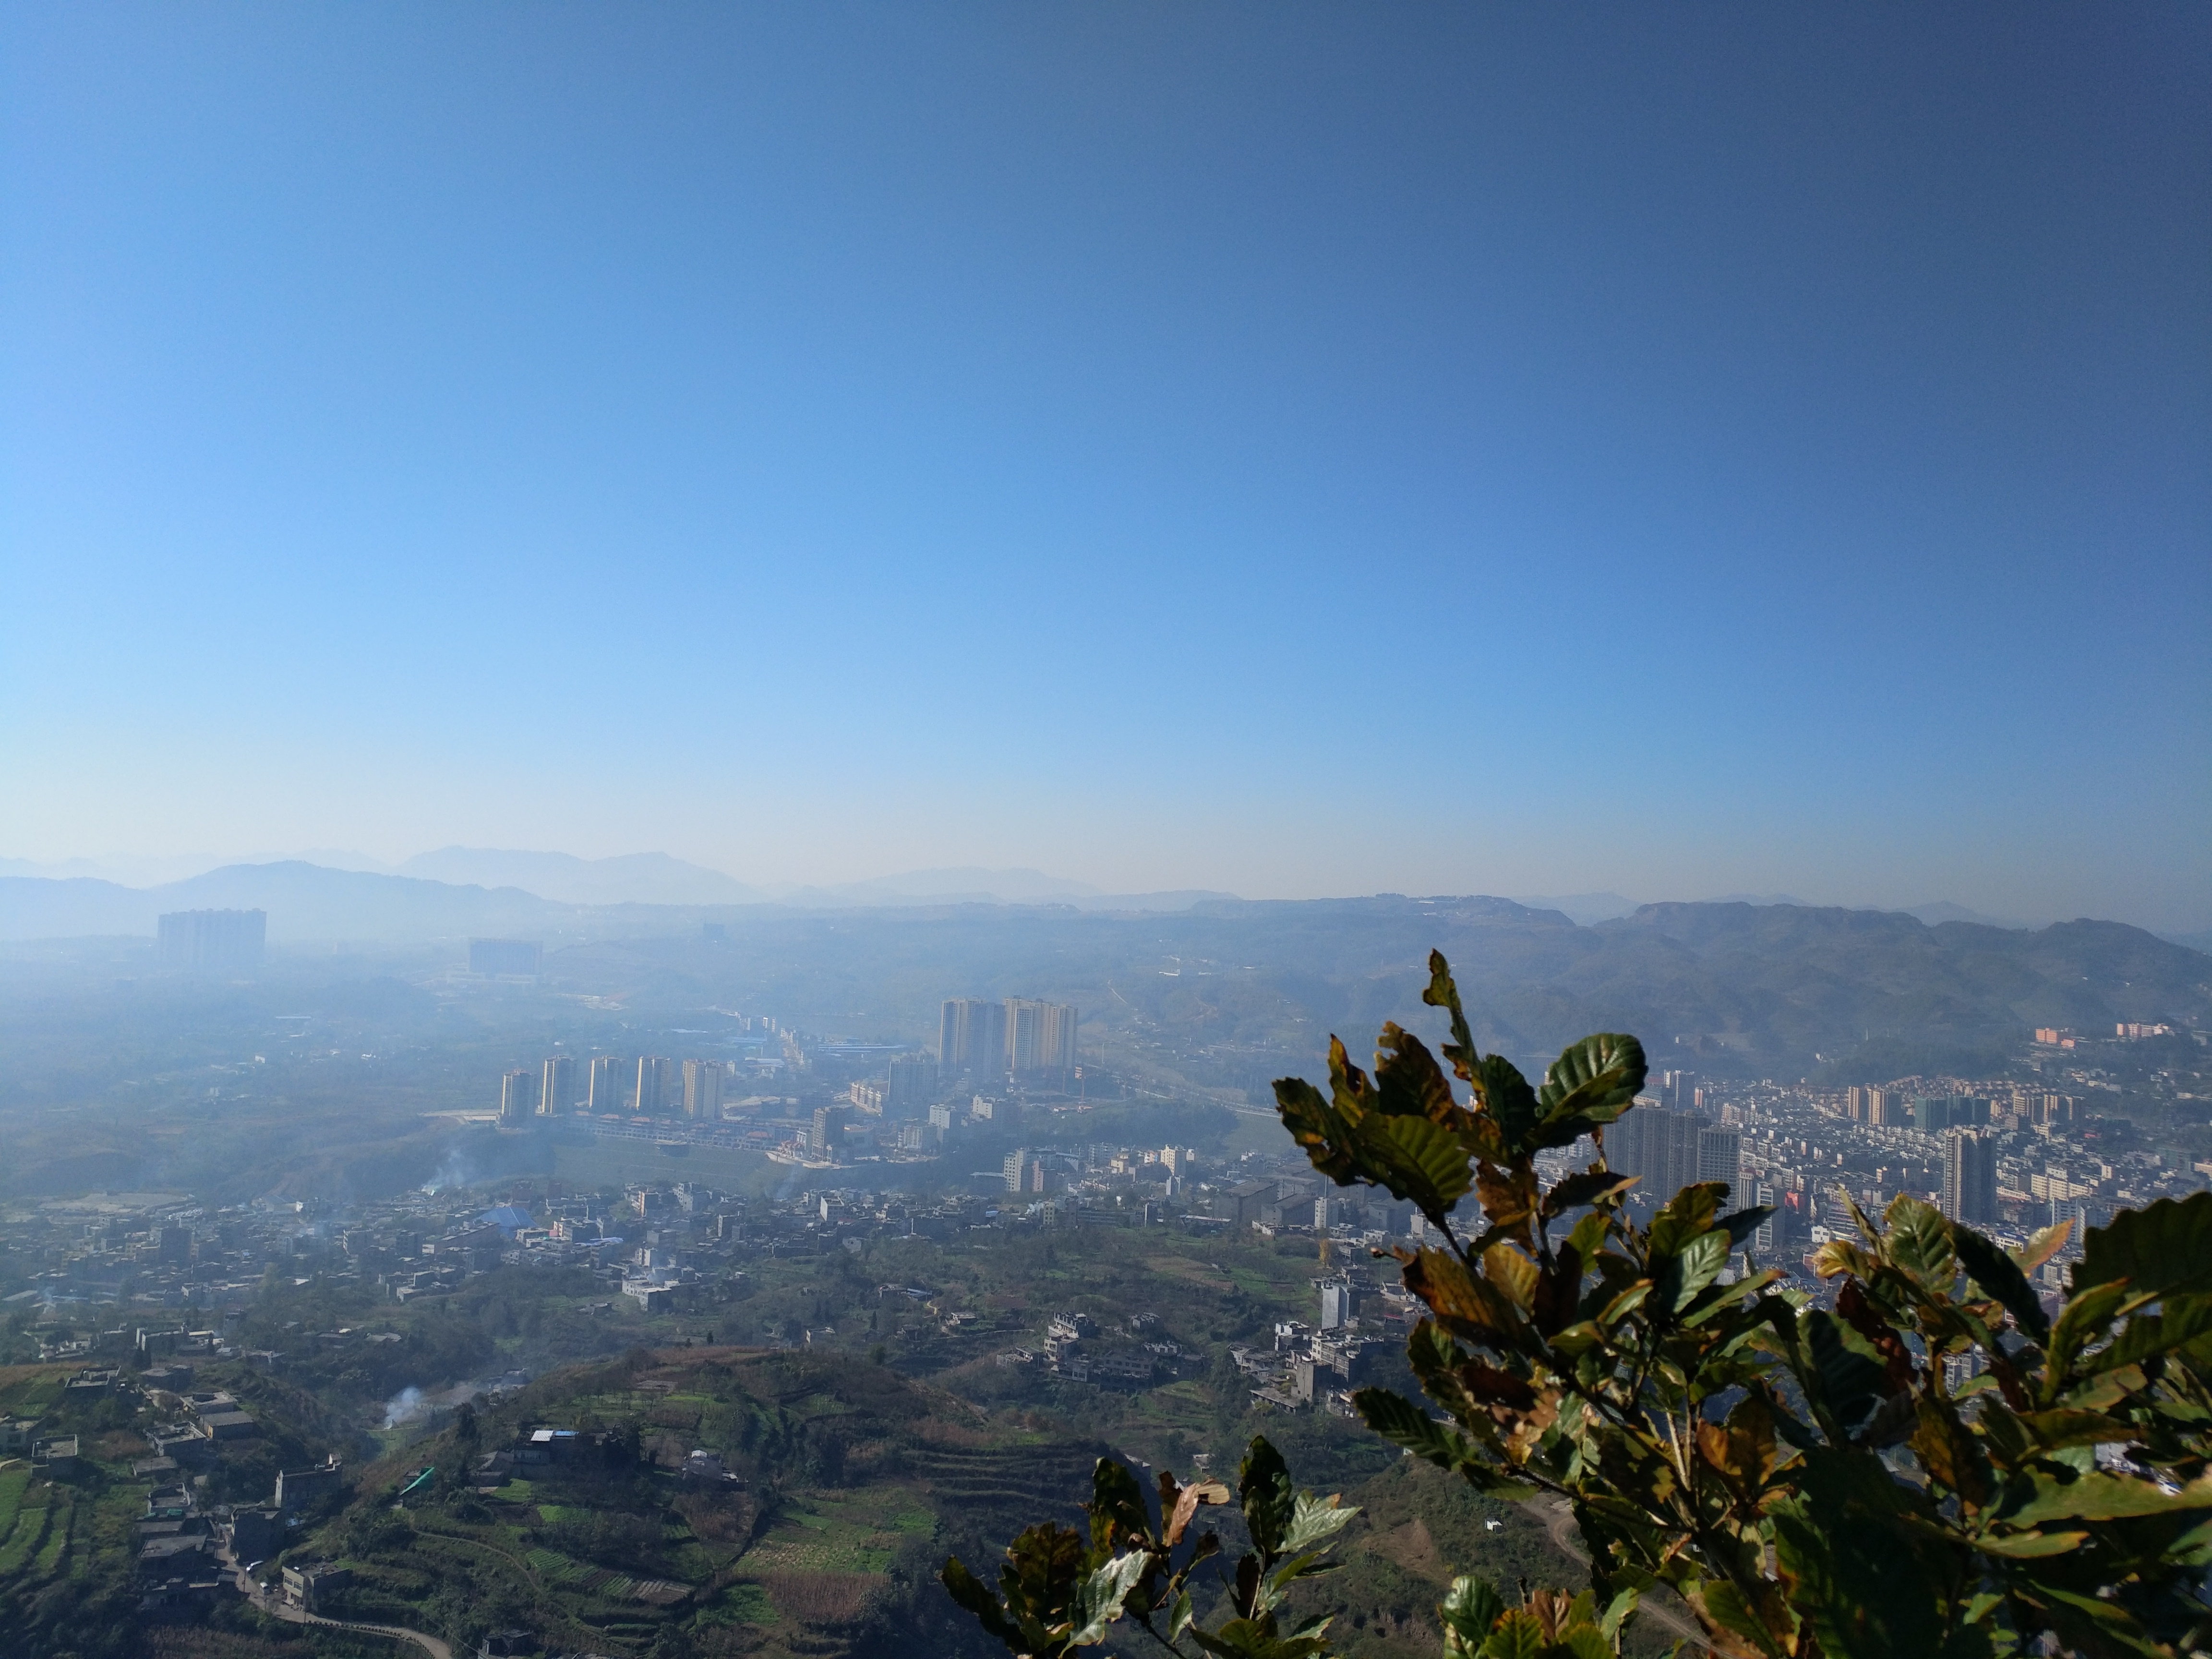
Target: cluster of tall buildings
{"points": [[1671, 1149], [1020, 1036], [906, 1090], [1932, 1115], [659, 1085]]}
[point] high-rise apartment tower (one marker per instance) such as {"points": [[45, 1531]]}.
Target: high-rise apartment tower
{"points": [[518, 1097], [556, 1087], [702, 1089], [971, 1038], [1970, 1175], [606, 1084]]}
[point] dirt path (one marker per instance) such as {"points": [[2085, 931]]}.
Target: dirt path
{"points": [[1558, 1520]]}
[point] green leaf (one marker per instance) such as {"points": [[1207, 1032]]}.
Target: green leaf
{"points": [[1690, 1270], [1589, 1236], [1470, 1609], [1264, 1488], [2000, 1276], [2100, 1495], [1584, 1186], [2181, 1320], [1516, 1636], [1619, 1612], [1508, 1098], [1179, 1615], [1415, 1159], [1582, 1642], [1597, 1079], [970, 1593], [1716, 1298], [1118, 1510], [1919, 1241], [2053, 1430], [1098, 1601], [2101, 1622], [2165, 1247], [1315, 1520], [1689, 1214], [1319, 1127], [2029, 1545], [1441, 992], [1403, 1423], [1852, 1386], [1741, 1225], [2085, 1318], [1848, 1574], [1249, 1638]]}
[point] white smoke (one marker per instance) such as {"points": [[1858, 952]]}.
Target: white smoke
{"points": [[404, 1407]]}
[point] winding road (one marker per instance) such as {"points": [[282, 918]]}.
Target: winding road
{"points": [[275, 1608], [1559, 1521], [430, 1645]]}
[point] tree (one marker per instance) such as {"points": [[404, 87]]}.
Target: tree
{"points": [[1931, 1467]]}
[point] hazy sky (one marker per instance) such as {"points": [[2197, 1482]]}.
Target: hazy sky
{"points": [[1287, 448]]}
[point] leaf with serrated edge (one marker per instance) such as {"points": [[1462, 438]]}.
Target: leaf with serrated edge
{"points": [[1415, 1159], [1314, 1520], [1601, 1074], [1409, 1083], [1441, 992]]}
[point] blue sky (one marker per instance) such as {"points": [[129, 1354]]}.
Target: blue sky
{"points": [[1295, 450]]}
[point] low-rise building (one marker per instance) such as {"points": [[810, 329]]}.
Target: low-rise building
{"points": [[296, 1488], [308, 1584]]}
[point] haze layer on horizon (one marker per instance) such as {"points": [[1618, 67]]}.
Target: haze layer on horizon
{"points": [[1291, 453]]}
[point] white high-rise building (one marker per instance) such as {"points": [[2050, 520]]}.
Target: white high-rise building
{"points": [[606, 1084], [518, 1097], [1335, 1305], [702, 1089], [556, 1086]]}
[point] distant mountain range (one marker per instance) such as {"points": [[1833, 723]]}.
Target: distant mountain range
{"points": [[458, 890]]}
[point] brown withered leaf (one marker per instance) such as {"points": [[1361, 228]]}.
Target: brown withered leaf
{"points": [[1584, 1186], [1408, 1082], [1534, 1422], [1493, 1386], [1558, 1293], [1863, 1317], [1742, 1450], [1946, 1450], [1553, 1611], [1187, 1503], [1506, 1266], [1461, 1302], [1508, 1197]]}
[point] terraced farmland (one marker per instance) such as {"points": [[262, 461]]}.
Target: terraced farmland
{"points": [[847, 1485]]}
